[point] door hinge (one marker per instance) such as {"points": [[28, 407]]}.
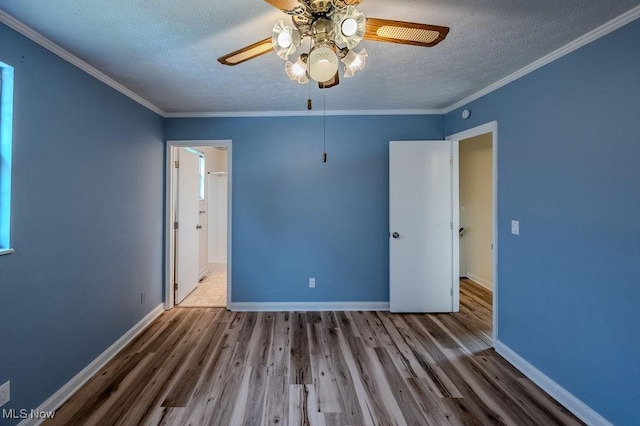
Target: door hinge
{"points": [[451, 225], [175, 286], [175, 225], [176, 164], [451, 159], [451, 291]]}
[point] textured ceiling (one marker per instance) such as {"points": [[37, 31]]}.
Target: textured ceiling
{"points": [[165, 50]]}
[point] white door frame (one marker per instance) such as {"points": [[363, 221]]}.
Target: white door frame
{"points": [[491, 127], [169, 209]]}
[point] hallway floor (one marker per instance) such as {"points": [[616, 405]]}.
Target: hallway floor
{"points": [[211, 292]]}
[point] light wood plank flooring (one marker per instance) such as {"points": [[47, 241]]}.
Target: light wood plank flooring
{"points": [[199, 366]]}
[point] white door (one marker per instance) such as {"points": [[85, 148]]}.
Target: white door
{"points": [[187, 253], [421, 224]]}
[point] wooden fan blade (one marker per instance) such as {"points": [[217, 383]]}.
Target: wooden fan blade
{"points": [[249, 52], [330, 83], [404, 32], [348, 2], [284, 5]]}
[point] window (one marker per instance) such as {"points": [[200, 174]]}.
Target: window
{"points": [[202, 175], [201, 171], [6, 132]]}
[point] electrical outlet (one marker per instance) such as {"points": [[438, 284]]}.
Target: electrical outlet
{"points": [[5, 393], [143, 297], [312, 283]]}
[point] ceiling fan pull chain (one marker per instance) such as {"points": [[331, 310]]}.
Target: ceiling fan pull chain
{"points": [[324, 127]]}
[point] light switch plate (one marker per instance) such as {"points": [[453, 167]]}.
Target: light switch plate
{"points": [[515, 227]]}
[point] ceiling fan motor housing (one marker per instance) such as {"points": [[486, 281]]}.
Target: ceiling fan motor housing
{"points": [[322, 30], [320, 6]]}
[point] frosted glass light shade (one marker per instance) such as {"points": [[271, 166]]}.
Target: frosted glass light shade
{"points": [[323, 63], [285, 39], [297, 71], [354, 62], [350, 26]]}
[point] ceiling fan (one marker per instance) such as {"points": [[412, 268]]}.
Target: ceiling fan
{"points": [[334, 28]]}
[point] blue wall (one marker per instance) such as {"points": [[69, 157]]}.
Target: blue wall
{"points": [[569, 146], [86, 225], [295, 217]]}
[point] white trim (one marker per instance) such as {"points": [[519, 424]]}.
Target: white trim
{"points": [[491, 127], [6, 251], [576, 44], [56, 400], [480, 281], [307, 306], [557, 392], [169, 212], [229, 218], [591, 36], [303, 113], [54, 48], [455, 225]]}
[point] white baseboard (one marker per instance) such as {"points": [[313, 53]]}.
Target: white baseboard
{"points": [[560, 394], [307, 306], [56, 400], [484, 283]]}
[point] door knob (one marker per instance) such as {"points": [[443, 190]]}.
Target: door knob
{"points": [[395, 235], [198, 226]]}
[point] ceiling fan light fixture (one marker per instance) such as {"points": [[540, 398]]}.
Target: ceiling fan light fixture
{"points": [[285, 39], [323, 63], [350, 25], [333, 28], [297, 70], [354, 62]]}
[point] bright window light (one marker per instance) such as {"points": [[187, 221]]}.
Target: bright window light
{"points": [[201, 170], [6, 134], [202, 175]]}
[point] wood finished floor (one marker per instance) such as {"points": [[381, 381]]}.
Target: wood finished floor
{"points": [[207, 366]]}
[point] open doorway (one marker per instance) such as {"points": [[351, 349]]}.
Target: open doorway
{"points": [[478, 221], [198, 212], [476, 202]]}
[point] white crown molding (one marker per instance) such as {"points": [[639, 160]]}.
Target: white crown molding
{"points": [[557, 392], [38, 38], [56, 400], [307, 306], [591, 36], [305, 113]]}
